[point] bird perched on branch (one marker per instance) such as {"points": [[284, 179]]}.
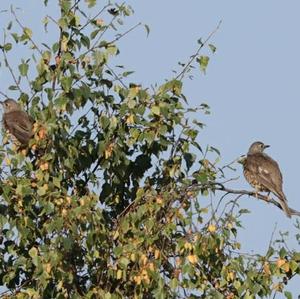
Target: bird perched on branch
{"points": [[263, 173], [17, 122]]}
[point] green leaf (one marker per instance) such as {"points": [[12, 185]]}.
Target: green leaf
{"points": [[189, 159], [212, 48], [66, 83], [155, 110], [7, 47], [42, 190], [123, 262], [288, 295], [91, 3], [27, 32], [85, 41], [203, 62], [23, 68]]}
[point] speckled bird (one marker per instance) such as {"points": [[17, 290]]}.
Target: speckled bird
{"points": [[263, 173], [17, 122]]}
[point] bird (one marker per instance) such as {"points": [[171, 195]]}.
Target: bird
{"points": [[17, 122], [263, 173]]}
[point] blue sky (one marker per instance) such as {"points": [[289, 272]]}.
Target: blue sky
{"points": [[251, 84]]}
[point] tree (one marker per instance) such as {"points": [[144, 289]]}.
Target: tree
{"points": [[107, 201]]}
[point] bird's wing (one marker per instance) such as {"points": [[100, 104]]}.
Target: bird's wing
{"points": [[19, 120], [267, 172], [19, 125]]}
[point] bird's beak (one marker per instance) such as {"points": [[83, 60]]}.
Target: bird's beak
{"points": [[2, 103], [266, 146]]}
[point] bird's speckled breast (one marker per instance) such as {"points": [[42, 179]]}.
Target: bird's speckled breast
{"points": [[250, 177]]}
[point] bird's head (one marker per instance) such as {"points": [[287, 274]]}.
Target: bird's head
{"points": [[10, 105], [257, 147]]}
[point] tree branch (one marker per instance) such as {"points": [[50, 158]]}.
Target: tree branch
{"points": [[267, 199]]}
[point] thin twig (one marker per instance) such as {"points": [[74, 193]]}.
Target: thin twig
{"points": [[123, 34], [272, 236], [53, 20], [4, 94], [75, 4], [184, 70], [116, 76], [23, 28], [111, 42], [10, 68], [93, 18]]}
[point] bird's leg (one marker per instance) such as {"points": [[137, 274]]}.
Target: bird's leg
{"points": [[268, 196], [256, 192]]}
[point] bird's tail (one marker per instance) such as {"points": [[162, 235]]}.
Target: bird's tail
{"points": [[284, 205]]}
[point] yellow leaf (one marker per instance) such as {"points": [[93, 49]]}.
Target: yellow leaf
{"points": [[130, 119], [44, 166], [143, 259], [48, 268], [230, 296], [42, 133], [193, 259], [280, 262], [151, 266], [159, 200], [267, 268], [116, 235], [212, 228], [156, 254], [145, 277], [229, 225], [230, 276], [35, 127], [100, 22], [64, 44], [69, 200], [237, 245], [5, 140], [190, 193], [178, 261], [119, 274], [286, 267], [7, 161], [188, 245], [137, 279], [108, 151], [277, 287], [132, 257]]}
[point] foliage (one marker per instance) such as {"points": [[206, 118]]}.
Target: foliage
{"points": [[111, 198]]}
